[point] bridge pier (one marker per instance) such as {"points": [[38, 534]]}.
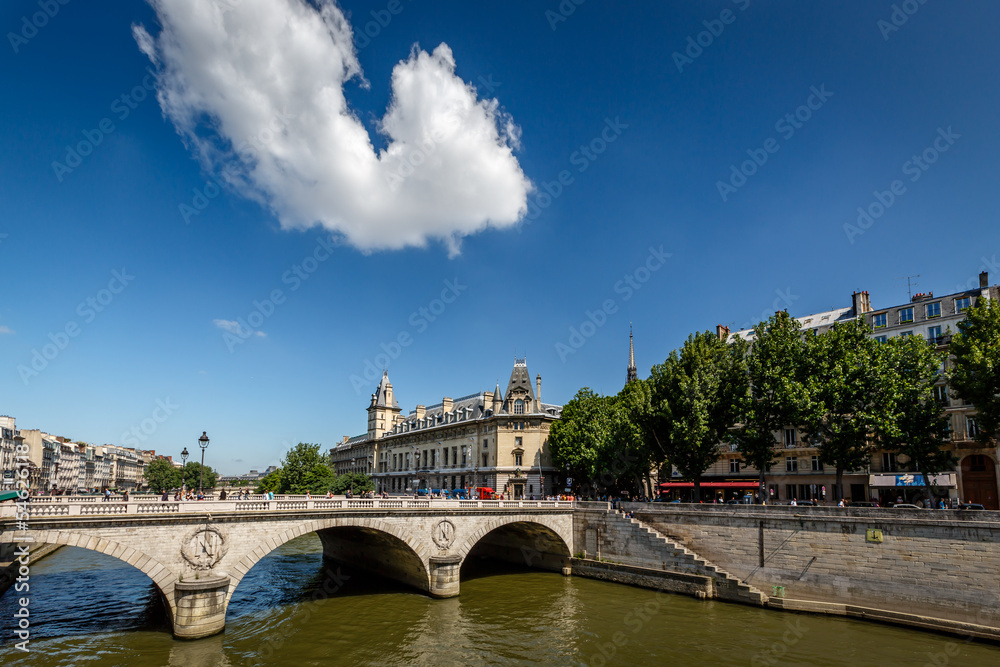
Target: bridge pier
{"points": [[444, 574], [200, 607]]}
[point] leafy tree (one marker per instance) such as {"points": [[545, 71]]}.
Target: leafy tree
{"points": [[849, 401], [269, 482], [162, 476], [191, 476], [629, 439], [774, 391], [579, 439], [355, 482], [975, 375], [304, 469], [692, 404], [918, 430]]}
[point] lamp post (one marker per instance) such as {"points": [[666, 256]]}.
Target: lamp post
{"points": [[475, 462], [184, 458], [203, 443], [352, 477]]}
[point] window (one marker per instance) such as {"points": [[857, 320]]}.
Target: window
{"points": [[962, 304], [905, 315], [977, 463], [463, 457], [445, 461], [880, 339], [817, 464], [425, 458], [486, 460], [934, 309], [518, 459], [878, 321], [789, 438], [905, 334], [934, 335], [971, 427], [734, 465], [791, 464], [454, 456], [519, 407], [888, 462], [517, 442], [941, 394]]}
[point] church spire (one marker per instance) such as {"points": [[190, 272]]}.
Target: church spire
{"points": [[632, 375]]}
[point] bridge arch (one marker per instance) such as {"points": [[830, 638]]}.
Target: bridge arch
{"points": [[365, 534], [162, 576], [538, 541]]}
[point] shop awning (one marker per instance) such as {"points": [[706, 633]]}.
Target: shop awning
{"points": [[912, 479], [711, 485]]}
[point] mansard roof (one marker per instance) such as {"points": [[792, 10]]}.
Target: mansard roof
{"points": [[380, 399], [520, 379]]}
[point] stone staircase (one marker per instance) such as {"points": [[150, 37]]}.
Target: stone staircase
{"points": [[726, 586]]}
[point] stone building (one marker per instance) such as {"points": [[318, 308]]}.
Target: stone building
{"points": [[798, 471], [489, 439]]}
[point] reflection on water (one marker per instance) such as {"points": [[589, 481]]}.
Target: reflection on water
{"points": [[89, 609]]}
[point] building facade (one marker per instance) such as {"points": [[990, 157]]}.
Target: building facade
{"points": [[798, 471], [493, 440]]}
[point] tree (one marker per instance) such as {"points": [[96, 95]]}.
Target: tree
{"points": [[918, 429], [579, 439], [191, 476], [305, 469], [849, 401], [269, 482], [774, 391], [355, 482], [629, 441], [975, 374], [692, 404], [162, 476]]}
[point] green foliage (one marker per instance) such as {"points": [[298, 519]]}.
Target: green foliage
{"points": [[603, 440], [304, 469], [975, 375], [850, 401], [774, 389], [191, 476], [162, 476], [693, 403]]}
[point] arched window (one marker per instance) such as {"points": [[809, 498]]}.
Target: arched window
{"points": [[519, 407]]}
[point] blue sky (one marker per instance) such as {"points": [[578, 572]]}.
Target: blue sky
{"points": [[641, 138]]}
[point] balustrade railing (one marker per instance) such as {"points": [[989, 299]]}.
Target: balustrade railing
{"points": [[152, 505]]}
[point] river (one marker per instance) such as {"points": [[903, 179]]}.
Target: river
{"points": [[89, 609]]}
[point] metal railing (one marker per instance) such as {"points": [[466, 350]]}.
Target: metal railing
{"points": [[150, 505]]}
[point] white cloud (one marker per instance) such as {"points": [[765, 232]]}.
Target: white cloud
{"points": [[5, 330], [256, 89], [236, 328]]}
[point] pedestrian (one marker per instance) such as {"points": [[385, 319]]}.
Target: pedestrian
{"points": [[794, 502], [165, 497], [125, 496], [222, 496], [107, 495]]}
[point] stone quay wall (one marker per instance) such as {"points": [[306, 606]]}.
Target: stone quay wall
{"points": [[941, 564]]}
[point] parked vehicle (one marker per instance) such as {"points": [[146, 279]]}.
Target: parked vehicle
{"points": [[863, 503], [905, 506], [971, 506]]}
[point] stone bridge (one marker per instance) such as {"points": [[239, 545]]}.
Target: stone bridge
{"points": [[197, 552]]}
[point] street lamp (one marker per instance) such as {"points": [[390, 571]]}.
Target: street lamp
{"points": [[203, 443], [184, 458], [352, 477]]}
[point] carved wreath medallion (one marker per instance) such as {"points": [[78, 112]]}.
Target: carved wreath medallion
{"points": [[443, 533], [204, 547]]}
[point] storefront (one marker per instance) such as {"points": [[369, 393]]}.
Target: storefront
{"points": [[892, 488]]}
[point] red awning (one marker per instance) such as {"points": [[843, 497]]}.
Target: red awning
{"points": [[711, 485]]}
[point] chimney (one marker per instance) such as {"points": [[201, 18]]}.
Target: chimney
{"points": [[920, 296], [346, 438], [538, 393], [861, 303], [420, 411], [446, 405], [984, 280], [722, 332]]}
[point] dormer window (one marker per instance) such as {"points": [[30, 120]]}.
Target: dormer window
{"points": [[519, 407]]}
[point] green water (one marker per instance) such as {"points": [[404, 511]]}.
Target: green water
{"points": [[88, 609]]}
